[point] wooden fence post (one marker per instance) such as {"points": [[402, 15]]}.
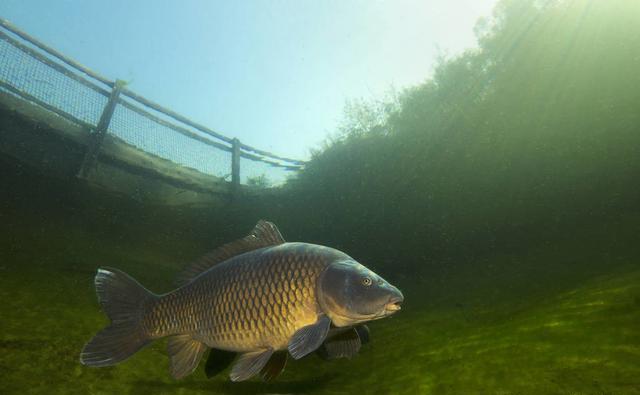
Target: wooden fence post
{"points": [[97, 137], [235, 166]]}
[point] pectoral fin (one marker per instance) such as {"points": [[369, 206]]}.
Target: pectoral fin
{"points": [[249, 364], [363, 333], [275, 366], [309, 338], [218, 361], [343, 345], [185, 353]]}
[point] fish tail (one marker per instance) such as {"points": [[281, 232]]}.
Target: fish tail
{"points": [[123, 299]]}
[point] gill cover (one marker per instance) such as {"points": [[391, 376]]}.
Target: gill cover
{"points": [[349, 293]]}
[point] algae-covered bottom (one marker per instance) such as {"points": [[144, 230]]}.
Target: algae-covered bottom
{"points": [[583, 339], [558, 318]]}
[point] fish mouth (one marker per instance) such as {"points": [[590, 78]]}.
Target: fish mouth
{"points": [[394, 304]]}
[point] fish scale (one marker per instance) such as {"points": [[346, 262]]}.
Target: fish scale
{"points": [[257, 299]]}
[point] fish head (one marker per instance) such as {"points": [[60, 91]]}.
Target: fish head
{"points": [[350, 293]]}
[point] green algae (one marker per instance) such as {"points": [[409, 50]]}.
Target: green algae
{"points": [[585, 340]]}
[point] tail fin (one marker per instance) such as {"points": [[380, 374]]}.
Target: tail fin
{"points": [[123, 299]]}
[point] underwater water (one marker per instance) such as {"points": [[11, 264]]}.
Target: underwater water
{"points": [[502, 197], [555, 318]]}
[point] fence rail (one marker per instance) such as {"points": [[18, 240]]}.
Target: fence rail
{"points": [[40, 74]]}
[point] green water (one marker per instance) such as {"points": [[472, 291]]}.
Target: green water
{"points": [[554, 319], [501, 196]]}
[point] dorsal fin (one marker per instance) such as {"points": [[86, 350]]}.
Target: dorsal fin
{"points": [[264, 234]]}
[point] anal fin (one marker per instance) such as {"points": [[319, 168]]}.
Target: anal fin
{"points": [[185, 354]]}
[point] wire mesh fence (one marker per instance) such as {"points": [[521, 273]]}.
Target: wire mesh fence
{"points": [[35, 72], [163, 141], [28, 74]]}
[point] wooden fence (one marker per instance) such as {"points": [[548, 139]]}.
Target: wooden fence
{"points": [[115, 93]]}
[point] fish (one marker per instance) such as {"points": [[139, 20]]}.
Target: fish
{"points": [[260, 297]]}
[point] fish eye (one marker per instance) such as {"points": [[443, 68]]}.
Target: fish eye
{"points": [[366, 281]]}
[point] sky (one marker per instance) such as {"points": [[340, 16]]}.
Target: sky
{"points": [[275, 74]]}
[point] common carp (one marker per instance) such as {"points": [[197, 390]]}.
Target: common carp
{"points": [[260, 297]]}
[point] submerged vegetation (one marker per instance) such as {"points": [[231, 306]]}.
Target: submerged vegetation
{"points": [[501, 196], [529, 136], [261, 181]]}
